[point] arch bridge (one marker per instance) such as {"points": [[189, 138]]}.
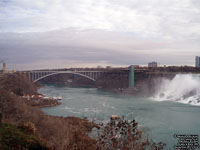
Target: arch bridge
{"points": [[93, 75], [38, 75]]}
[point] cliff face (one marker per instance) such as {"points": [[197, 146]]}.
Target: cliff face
{"points": [[146, 84], [113, 81]]}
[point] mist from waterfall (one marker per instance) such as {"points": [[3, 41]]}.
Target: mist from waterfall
{"points": [[183, 88]]}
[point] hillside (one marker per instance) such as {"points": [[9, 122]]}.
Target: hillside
{"points": [[17, 84], [57, 133]]}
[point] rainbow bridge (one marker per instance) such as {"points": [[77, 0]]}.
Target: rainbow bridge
{"points": [[37, 75]]}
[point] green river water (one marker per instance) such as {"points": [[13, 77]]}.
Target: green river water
{"points": [[160, 119]]}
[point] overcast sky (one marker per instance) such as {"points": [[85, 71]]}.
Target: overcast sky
{"points": [[38, 34]]}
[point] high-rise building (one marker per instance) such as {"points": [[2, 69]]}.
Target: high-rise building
{"points": [[197, 61], [153, 64]]}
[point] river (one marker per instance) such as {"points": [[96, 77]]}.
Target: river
{"points": [[160, 119]]}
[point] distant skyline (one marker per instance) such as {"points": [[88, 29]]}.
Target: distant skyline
{"points": [[87, 33]]}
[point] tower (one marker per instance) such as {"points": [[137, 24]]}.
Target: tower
{"points": [[131, 76], [197, 61], [4, 67]]}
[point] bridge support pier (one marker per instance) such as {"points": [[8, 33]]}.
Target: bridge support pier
{"points": [[131, 77]]}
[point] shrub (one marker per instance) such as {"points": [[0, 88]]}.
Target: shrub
{"points": [[15, 138], [17, 84], [0, 118], [121, 134]]}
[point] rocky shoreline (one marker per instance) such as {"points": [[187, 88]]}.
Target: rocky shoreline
{"points": [[39, 100]]}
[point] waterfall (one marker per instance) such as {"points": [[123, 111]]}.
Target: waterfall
{"points": [[183, 88]]}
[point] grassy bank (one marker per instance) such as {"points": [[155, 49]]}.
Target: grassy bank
{"points": [[15, 138]]}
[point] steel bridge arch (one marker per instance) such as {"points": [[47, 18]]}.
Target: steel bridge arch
{"points": [[63, 72]]}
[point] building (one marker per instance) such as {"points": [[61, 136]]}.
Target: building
{"points": [[153, 64], [108, 67], [99, 67], [197, 61], [4, 67], [136, 66]]}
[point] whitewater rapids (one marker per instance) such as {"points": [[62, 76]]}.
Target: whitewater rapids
{"points": [[183, 88]]}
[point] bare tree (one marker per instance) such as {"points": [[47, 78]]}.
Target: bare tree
{"points": [[121, 134]]}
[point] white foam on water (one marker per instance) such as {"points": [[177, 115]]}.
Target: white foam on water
{"points": [[94, 110], [68, 107], [72, 110], [183, 88], [106, 105]]}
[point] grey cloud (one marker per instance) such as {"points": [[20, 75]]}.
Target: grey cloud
{"points": [[73, 47], [164, 19], [72, 33]]}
